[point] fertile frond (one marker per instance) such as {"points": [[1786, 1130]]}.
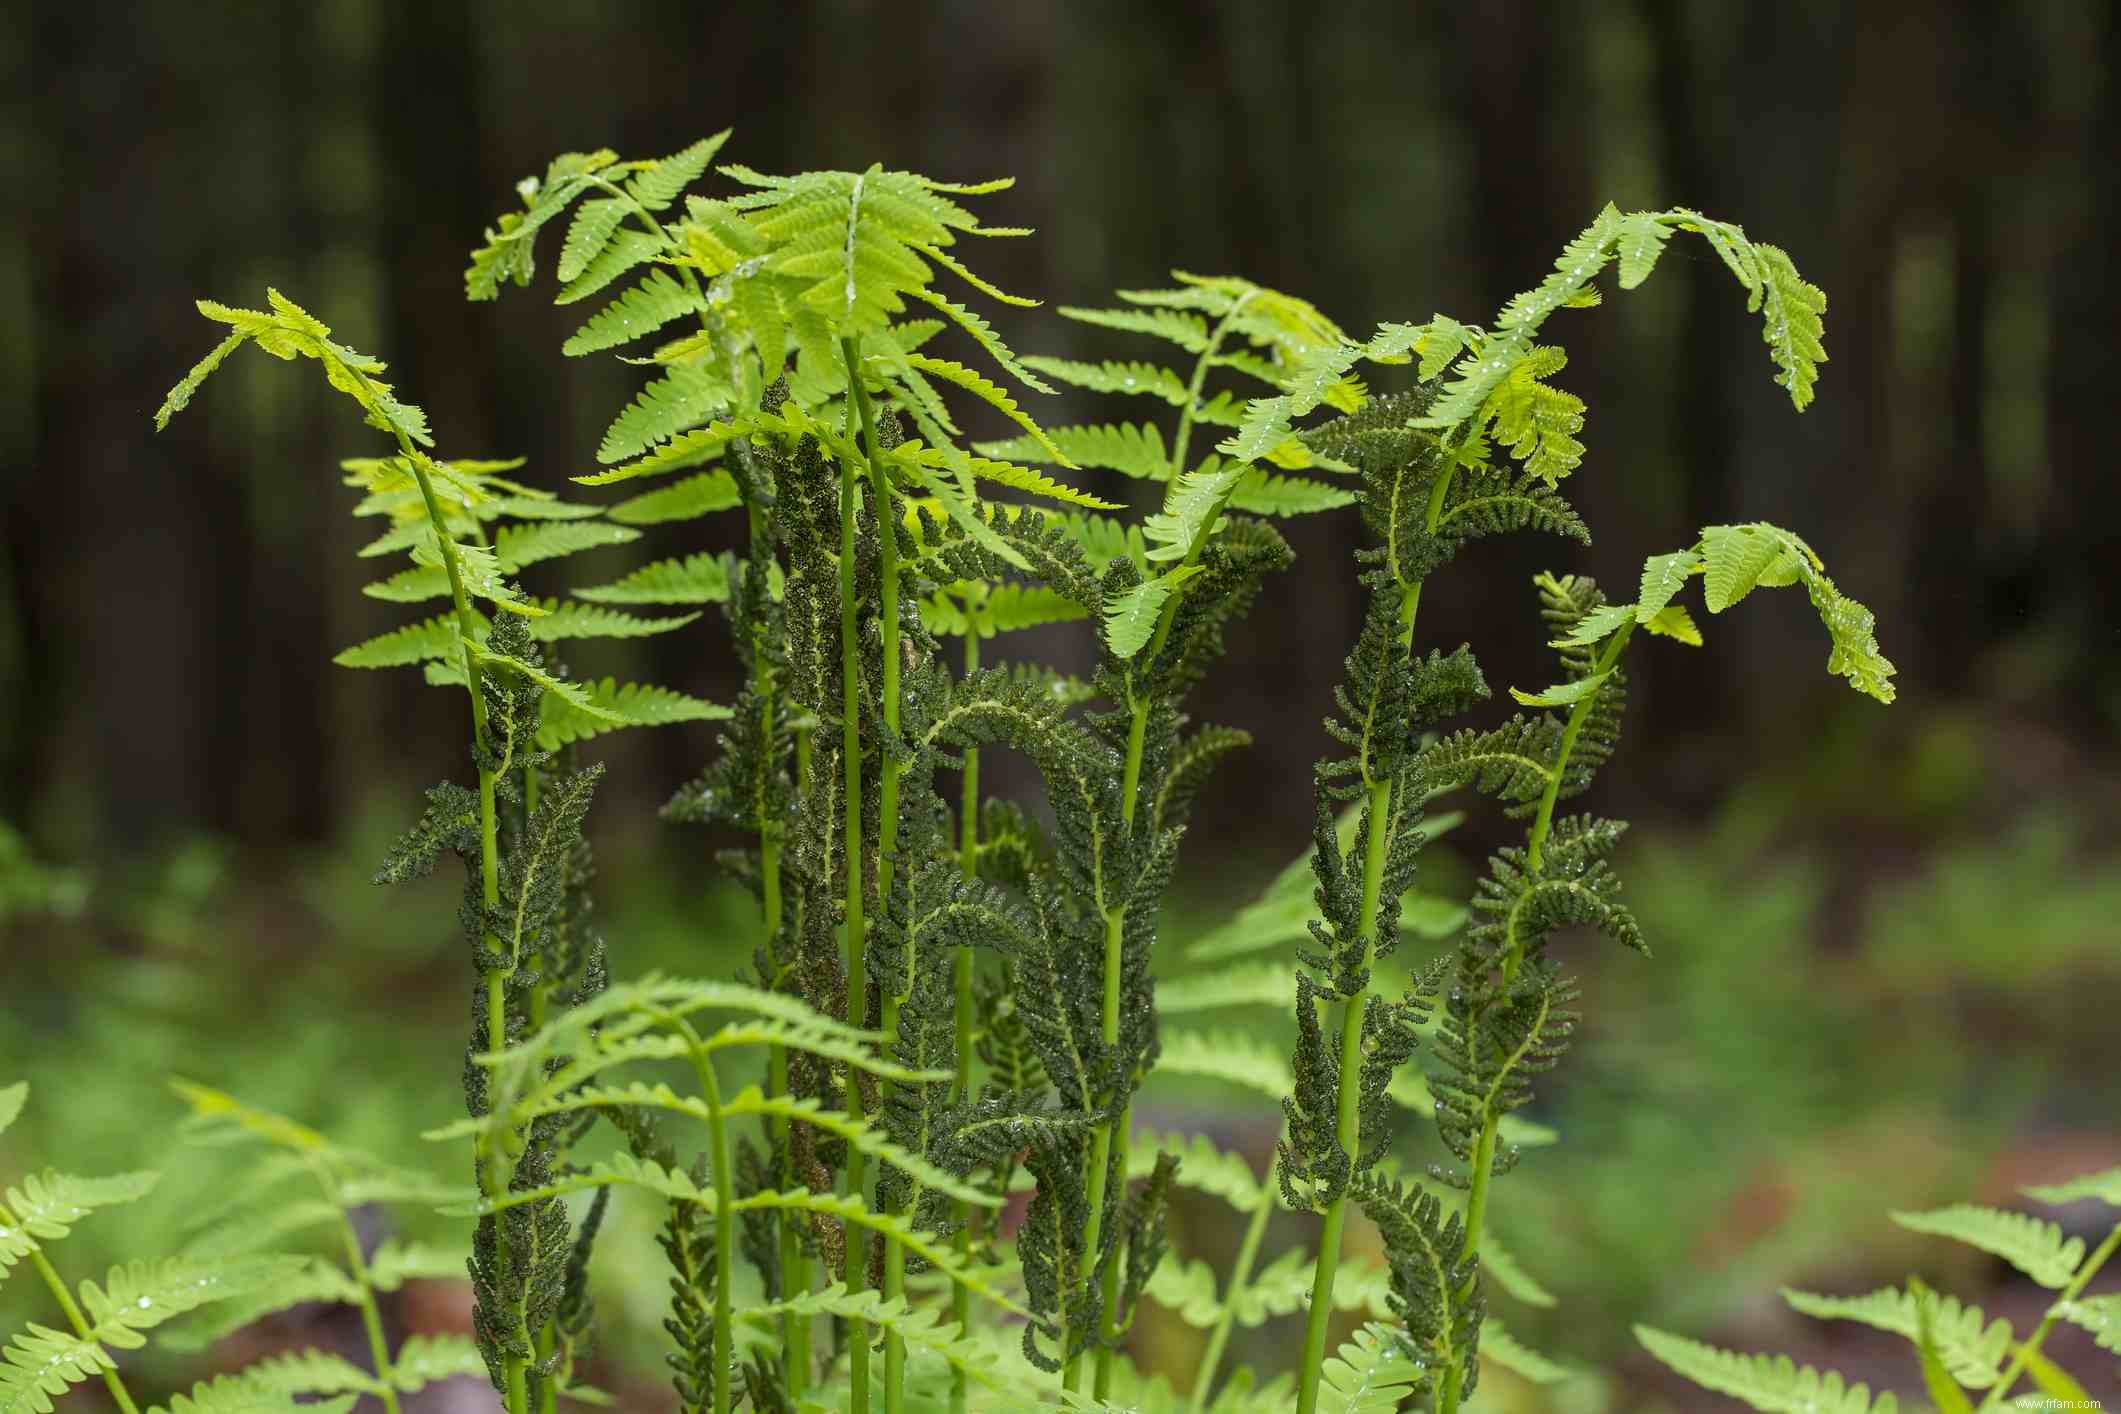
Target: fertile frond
{"points": [[1435, 1286], [2034, 1247], [1774, 1384]]}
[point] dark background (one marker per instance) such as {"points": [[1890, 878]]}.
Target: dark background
{"points": [[1888, 960], [1946, 173]]}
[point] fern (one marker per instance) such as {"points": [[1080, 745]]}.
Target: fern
{"points": [[1774, 1384]]}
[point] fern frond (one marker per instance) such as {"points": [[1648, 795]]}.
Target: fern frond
{"points": [[1253, 984], [1972, 1345], [236, 1394], [2104, 1186], [682, 399], [564, 621], [1148, 379], [394, 1263], [660, 182], [1774, 1384], [2033, 1246], [924, 1331], [1133, 449], [45, 1206], [1234, 1057], [1263, 494], [1188, 331], [1371, 1374], [639, 312], [307, 1282], [429, 1359], [414, 643], [519, 546], [697, 579], [508, 250], [694, 496], [1511, 1354], [12, 1099], [141, 1295], [40, 1363], [988, 392]]}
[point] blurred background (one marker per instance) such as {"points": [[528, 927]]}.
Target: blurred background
{"points": [[1887, 942]]}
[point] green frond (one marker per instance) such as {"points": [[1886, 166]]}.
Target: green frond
{"points": [[1188, 331], [2033, 1246], [306, 1372], [1243, 1059], [1794, 326], [142, 1295], [2104, 1186], [235, 1394], [1849, 624], [895, 1228], [1133, 449], [1001, 473], [1148, 379], [662, 181], [414, 643], [686, 396], [1538, 423], [2100, 1316], [685, 449], [1191, 507], [519, 546], [507, 253], [1511, 1354], [564, 621], [988, 392], [694, 496], [627, 250], [304, 1283], [1004, 608], [1371, 1374], [964, 512], [1774, 1384], [394, 1263], [12, 1099], [1261, 493], [289, 332], [923, 1330], [647, 307], [595, 222], [1972, 1345], [40, 1363], [429, 1359], [1496, 1261], [696, 579], [45, 1206], [981, 331], [1131, 616], [1252, 984]]}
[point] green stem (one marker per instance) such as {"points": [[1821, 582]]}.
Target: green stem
{"points": [[1184, 434], [961, 1090], [371, 1317], [496, 1167], [881, 512], [1347, 1117], [1483, 1162], [548, 1385], [1240, 1273], [724, 1211], [857, 1245], [2031, 1347], [795, 1262], [74, 1318]]}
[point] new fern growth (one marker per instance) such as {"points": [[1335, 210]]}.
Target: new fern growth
{"points": [[948, 998]]}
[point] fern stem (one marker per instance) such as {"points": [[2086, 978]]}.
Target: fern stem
{"points": [[1240, 1273], [371, 1318], [1184, 434], [2031, 1345], [857, 1239], [495, 1167], [548, 1386], [74, 1318], [1483, 1162], [1347, 1125], [961, 1090], [724, 1211], [880, 511]]}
